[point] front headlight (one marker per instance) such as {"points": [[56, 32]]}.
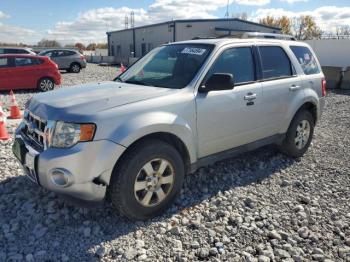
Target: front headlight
{"points": [[68, 134]]}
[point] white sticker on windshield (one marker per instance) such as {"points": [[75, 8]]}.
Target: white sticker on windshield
{"points": [[193, 51]]}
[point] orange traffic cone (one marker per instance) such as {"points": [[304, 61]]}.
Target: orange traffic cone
{"points": [[15, 112], [3, 132], [122, 68]]}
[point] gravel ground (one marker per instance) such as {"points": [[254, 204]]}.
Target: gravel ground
{"points": [[261, 206]]}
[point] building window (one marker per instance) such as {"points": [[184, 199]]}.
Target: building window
{"points": [[150, 47], [143, 49], [112, 50]]}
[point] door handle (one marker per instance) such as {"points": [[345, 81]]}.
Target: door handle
{"points": [[250, 96], [294, 87]]}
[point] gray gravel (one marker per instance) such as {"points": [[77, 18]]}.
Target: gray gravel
{"points": [[261, 206]]}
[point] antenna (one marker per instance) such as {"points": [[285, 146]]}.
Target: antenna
{"points": [[227, 13], [132, 19], [126, 22]]}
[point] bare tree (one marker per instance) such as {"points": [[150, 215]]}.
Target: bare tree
{"points": [[342, 31], [48, 43], [242, 16], [305, 27]]}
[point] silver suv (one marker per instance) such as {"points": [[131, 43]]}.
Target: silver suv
{"points": [[70, 60], [182, 106]]}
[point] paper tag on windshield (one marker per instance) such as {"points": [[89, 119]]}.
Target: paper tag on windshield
{"points": [[193, 51]]}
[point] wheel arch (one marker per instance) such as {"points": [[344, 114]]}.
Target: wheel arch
{"points": [[166, 137], [308, 105]]}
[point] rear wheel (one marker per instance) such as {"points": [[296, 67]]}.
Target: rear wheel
{"points": [[147, 180], [74, 68], [299, 134], [46, 84]]}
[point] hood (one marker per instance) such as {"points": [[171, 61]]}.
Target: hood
{"points": [[90, 99]]}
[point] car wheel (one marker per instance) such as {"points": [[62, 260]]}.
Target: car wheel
{"points": [[75, 68], [46, 84], [147, 180], [299, 134]]}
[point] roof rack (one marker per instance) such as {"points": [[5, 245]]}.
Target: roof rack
{"points": [[245, 35]]}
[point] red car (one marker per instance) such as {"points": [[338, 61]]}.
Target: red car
{"points": [[28, 72]]}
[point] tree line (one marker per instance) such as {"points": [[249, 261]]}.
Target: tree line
{"points": [[80, 46], [303, 27], [55, 44]]}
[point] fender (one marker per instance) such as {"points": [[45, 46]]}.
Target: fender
{"points": [[154, 122], [299, 100]]}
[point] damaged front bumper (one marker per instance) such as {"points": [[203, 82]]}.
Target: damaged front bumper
{"points": [[82, 172]]}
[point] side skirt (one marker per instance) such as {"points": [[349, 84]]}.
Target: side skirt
{"points": [[211, 159]]}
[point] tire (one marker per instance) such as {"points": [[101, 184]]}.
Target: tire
{"points": [[299, 135], [131, 190], [46, 84], [75, 68]]}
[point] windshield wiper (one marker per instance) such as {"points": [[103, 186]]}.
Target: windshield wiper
{"points": [[118, 79], [137, 82]]}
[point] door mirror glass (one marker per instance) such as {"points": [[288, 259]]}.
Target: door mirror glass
{"points": [[218, 81]]}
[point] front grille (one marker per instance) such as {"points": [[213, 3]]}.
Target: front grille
{"points": [[35, 128]]}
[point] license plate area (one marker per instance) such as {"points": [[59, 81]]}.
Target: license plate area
{"points": [[19, 150], [26, 158]]}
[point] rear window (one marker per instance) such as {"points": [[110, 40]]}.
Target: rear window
{"points": [[275, 62], [306, 59], [23, 61], [15, 51], [69, 53]]}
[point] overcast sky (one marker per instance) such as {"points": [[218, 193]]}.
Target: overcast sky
{"points": [[86, 21]]}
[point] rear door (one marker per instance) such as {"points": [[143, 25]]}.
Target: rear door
{"points": [[280, 84], [313, 76]]}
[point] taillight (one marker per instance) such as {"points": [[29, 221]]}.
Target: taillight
{"points": [[324, 84], [82, 57]]}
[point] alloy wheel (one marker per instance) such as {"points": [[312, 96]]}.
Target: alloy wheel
{"points": [[46, 85], [302, 134], [154, 182]]}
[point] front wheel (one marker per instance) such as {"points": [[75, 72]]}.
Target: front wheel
{"points": [[299, 134], [147, 180], [46, 84]]}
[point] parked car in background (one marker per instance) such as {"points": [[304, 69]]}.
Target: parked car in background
{"points": [[70, 60], [16, 50], [28, 72]]}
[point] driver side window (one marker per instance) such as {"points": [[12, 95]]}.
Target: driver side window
{"points": [[237, 61]]}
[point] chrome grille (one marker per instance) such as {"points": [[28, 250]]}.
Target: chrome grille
{"points": [[35, 128]]}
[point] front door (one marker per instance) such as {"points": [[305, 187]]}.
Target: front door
{"points": [[7, 74], [230, 118], [26, 72]]}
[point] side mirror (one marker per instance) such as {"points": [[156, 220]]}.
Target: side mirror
{"points": [[218, 81]]}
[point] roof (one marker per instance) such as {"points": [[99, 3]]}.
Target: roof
{"points": [[22, 55], [197, 20]]}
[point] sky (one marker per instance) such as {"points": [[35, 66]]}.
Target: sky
{"points": [[87, 21]]}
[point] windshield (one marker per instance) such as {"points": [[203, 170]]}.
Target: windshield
{"points": [[170, 66]]}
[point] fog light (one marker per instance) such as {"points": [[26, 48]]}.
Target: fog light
{"points": [[61, 177]]}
